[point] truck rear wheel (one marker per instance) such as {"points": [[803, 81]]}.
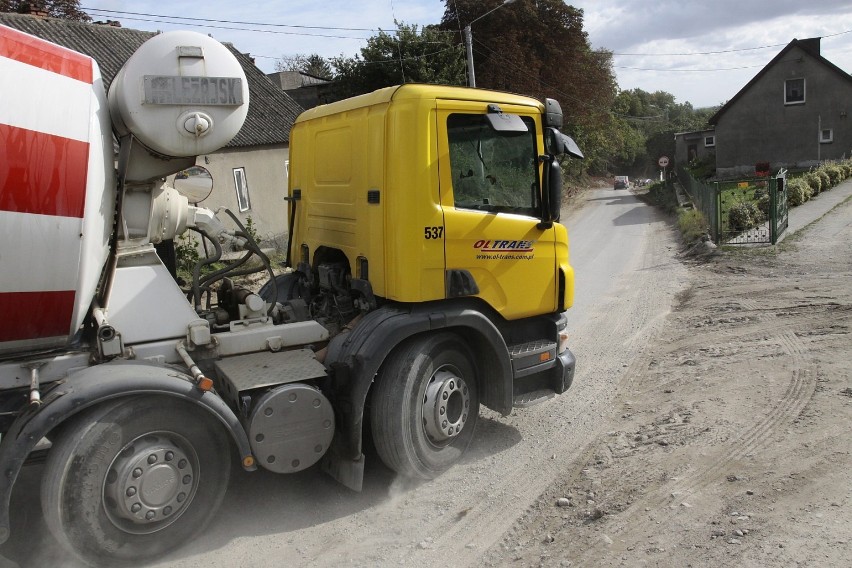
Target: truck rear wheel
{"points": [[425, 405], [131, 480]]}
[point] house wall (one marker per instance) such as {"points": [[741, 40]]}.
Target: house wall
{"points": [[684, 141], [759, 127], [266, 179]]}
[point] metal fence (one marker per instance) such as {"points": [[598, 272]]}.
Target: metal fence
{"points": [[744, 211]]}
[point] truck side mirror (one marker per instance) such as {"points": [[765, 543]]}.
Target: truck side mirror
{"points": [[552, 202], [552, 113], [557, 143]]}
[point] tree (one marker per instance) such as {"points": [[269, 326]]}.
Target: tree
{"points": [[539, 48], [654, 118], [312, 64], [67, 9], [404, 56]]}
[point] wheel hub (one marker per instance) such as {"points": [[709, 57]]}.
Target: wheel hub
{"points": [[445, 406], [149, 484]]}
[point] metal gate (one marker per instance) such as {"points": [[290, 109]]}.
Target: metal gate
{"points": [[751, 211], [779, 219]]}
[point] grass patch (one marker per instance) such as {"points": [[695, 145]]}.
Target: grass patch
{"points": [[693, 225]]}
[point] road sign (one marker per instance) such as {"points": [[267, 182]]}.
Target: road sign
{"points": [[663, 161]]}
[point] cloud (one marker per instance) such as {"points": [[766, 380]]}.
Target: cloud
{"points": [[622, 26]]}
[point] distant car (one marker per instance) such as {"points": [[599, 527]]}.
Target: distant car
{"points": [[621, 182]]}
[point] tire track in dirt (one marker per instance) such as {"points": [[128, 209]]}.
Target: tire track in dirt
{"points": [[798, 394]]}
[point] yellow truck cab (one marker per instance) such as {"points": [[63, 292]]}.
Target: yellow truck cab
{"points": [[424, 232]]}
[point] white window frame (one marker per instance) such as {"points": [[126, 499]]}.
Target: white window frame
{"points": [[804, 91], [710, 141], [241, 187], [823, 139]]}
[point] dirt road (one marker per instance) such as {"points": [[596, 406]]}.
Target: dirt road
{"points": [[728, 442], [708, 425]]}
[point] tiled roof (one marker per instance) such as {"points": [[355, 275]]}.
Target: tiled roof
{"points": [[271, 111]]}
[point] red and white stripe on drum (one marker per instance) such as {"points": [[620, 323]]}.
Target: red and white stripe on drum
{"points": [[45, 122]]}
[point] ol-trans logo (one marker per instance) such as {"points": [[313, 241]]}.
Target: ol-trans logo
{"points": [[504, 250]]}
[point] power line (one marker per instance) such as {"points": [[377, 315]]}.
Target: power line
{"points": [[230, 21], [686, 70], [185, 20], [231, 28], [719, 52], [411, 58]]}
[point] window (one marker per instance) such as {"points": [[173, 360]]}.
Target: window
{"points": [[241, 185], [794, 91], [709, 141], [826, 135], [493, 171]]}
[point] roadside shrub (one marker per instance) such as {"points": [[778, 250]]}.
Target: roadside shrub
{"points": [[813, 181], [824, 179], [692, 225], [744, 215], [847, 168], [798, 191], [834, 174]]}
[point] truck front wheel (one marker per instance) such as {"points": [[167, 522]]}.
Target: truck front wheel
{"points": [[425, 405], [132, 479]]}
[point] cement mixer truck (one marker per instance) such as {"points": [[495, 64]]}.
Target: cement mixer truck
{"points": [[427, 274]]}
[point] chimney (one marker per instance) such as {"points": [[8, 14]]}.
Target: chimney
{"points": [[34, 9], [811, 44]]}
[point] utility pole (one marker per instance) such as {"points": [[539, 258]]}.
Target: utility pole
{"points": [[468, 43]]}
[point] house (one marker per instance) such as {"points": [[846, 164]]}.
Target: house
{"points": [[699, 145], [794, 114], [306, 89], [250, 173]]}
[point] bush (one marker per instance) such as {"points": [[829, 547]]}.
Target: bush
{"points": [[186, 255], [761, 197], [692, 225], [744, 215], [813, 181], [835, 176], [702, 169], [826, 181], [798, 191]]}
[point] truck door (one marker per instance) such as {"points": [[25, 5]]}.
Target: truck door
{"points": [[495, 246]]}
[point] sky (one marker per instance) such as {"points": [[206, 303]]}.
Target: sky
{"points": [[701, 52]]}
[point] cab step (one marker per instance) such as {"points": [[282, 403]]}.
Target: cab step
{"points": [[532, 356]]}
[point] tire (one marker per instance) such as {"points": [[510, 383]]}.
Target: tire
{"points": [[418, 432], [135, 478]]}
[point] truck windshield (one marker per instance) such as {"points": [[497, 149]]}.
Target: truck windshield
{"points": [[493, 171]]}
